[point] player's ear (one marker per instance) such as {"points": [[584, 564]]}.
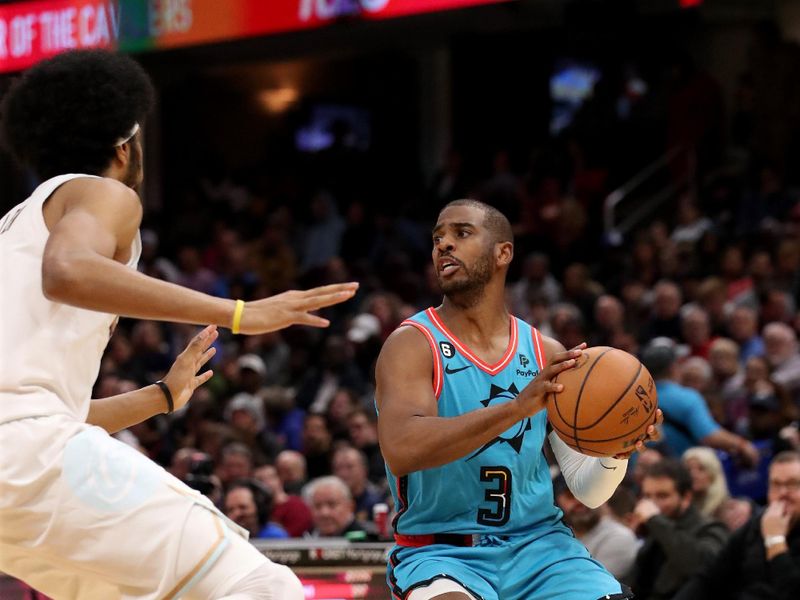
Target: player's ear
{"points": [[122, 154], [503, 253]]}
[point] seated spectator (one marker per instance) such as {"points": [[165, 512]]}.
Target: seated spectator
{"points": [[743, 328], [363, 433], [288, 511], [291, 468], [317, 445], [781, 348], [248, 504], [735, 512], [647, 457], [665, 320], [678, 540], [696, 330], [344, 402], [621, 506], [709, 488], [236, 463], [762, 558], [245, 414], [333, 510], [609, 542], [696, 373], [687, 420], [350, 465]]}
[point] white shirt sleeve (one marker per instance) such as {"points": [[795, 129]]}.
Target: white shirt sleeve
{"points": [[591, 480]]}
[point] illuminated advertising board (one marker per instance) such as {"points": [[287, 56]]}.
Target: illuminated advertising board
{"points": [[31, 31]]}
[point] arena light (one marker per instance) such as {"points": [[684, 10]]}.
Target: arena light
{"points": [[278, 100]]}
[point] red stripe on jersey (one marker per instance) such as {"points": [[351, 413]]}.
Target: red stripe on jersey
{"points": [[438, 376], [538, 348], [464, 349]]}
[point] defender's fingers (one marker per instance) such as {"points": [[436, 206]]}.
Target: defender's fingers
{"points": [[206, 356], [334, 288], [323, 300], [304, 318], [202, 378]]}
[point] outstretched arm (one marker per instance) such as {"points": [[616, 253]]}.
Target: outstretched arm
{"points": [[412, 435], [82, 266], [118, 412]]}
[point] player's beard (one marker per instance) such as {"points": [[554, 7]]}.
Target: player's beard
{"points": [[466, 291]]}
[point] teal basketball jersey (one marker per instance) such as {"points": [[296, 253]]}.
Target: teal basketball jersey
{"points": [[503, 487]]}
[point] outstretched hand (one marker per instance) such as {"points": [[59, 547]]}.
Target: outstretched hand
{"points": [[182, 378], [293, 308]]}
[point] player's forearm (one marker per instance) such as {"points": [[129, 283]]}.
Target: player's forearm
{"points": [[424, 442], [592, 480], [97, 283], [124, 410]]}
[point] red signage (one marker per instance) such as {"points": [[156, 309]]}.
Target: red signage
{"points": [[31, 31]]}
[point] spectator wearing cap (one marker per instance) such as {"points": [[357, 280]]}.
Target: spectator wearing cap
{"points": [[248, 503], [761, 561], [609, 542], [288, 511], [245, 413], [678, 540], [687, 420]]}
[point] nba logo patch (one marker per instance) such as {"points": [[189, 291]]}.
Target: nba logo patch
{"points": [[447, 349]]}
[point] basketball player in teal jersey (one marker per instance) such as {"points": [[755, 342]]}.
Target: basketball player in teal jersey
{"points": [[461, 392]]}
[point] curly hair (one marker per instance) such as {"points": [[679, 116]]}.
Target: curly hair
{"points": [[65, 114]]}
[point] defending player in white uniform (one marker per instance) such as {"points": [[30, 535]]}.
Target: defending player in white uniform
{"points": [[83, 516]]}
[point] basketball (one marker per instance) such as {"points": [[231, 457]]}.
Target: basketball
{"points": [[608, 402]]}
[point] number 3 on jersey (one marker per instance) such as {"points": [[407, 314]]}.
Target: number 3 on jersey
{"points": [[499, 494]]}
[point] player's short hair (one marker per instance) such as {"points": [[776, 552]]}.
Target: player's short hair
{"points": [[495, 221], [670, 468], [67, 113]]}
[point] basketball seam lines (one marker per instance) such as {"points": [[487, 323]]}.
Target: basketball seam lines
{"points": [[580, 394], [585, 440], [617, 401]]}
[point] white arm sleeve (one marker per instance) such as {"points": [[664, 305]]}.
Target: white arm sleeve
{"points": [[591, 480]]}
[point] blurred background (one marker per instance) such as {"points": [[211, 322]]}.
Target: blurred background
{"points": [[647, 153]]}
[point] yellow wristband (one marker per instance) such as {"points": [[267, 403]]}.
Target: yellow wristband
{"points": [[237, 316]]}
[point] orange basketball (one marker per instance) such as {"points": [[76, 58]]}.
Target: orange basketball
{"points": [[608, 402]]}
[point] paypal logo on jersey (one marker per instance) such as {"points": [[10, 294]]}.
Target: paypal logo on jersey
{"points": [[524, 361]]}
